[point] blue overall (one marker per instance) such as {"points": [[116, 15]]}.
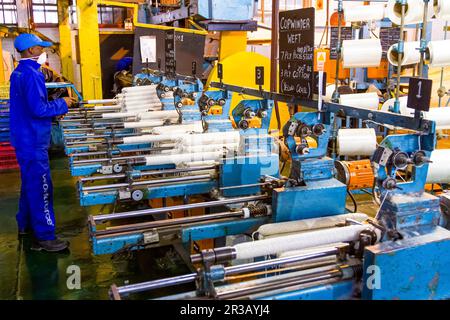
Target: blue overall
{"points": [[30, 126]]}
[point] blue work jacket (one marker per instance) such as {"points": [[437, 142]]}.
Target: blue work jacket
{"points": [[30, 111]]}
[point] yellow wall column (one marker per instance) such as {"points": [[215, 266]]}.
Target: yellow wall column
{"points": [[232, 42], [89, 42], [2, 67], [65, 46]]}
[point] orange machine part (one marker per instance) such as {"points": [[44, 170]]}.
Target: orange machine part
{"points": [[380, 72], [215, 110], [334, 20], [356, 174], [254, 122]]}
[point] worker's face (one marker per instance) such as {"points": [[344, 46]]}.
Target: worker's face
{"points": [[36, 51]]}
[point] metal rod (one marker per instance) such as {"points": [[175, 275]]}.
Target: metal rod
{"points": [[423, 40], [151, 285], [276, 283], [400, 52], [97, 153], [338, 51], [244, 186], [107, 159], [275, 262], [146, 183], [168, 223], [156, 284], [147, 212], [150, 173], [274, 57], [113, 176], [442, 69]]}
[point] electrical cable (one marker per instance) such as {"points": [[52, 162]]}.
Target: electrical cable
{"points": [[355, 205]]}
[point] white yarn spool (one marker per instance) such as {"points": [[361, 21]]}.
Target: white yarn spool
{"points": [[180, 128], [165, 115], [107, 108], [147, 98], [439, 169], [300, 241], [149, 138], [151, 88], [362, 53], [307, 224], [142, 105], [356, 142], [442, 9], [411, 54], [118, 115], [209, 147], [441, 116], [413, 11], [364, 13], [181, 158], [211, 138], [143, 124], [197, 164], [368, 100], [103, 101], [439, 53]]}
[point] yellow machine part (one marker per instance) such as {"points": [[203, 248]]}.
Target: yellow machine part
{"points": [[254, 123], [89, 44], [215, 110], [239, 70], [355, 174]]}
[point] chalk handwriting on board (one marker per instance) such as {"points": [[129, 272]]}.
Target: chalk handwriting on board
{"points": [[296, 52], [346, 34], [170, 52]]}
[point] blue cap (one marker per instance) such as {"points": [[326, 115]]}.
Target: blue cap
{"points": [[27, 40]]}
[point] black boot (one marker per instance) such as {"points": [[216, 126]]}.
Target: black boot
{"points": [[56, 245]]}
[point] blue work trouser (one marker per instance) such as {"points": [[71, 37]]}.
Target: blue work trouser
{"points": [[36, 194]]}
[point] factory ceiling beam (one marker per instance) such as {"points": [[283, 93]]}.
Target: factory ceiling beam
{"points": [[89, 44]]}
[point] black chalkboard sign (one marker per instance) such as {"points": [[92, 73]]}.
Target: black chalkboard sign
{"points": [[346, 34], [259, 76], [389, 37], [419, 94], [296, 53], [170, 52]]}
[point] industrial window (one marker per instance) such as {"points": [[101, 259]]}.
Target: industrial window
{"points": [[108, 17], [112, 16], [8, 14], [45, 12]]}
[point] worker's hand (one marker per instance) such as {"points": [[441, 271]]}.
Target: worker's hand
{"points": [[70, 101]]}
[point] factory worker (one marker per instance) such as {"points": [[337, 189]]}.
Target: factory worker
{"points": [[30, 127]]}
